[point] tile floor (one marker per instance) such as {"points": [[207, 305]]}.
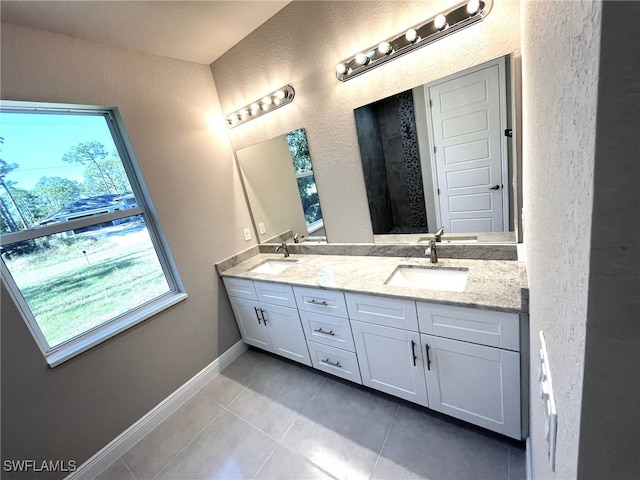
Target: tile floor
{"points": [[267, 418]]}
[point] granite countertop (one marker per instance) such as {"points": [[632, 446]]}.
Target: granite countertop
{"points": [[492, 284]]}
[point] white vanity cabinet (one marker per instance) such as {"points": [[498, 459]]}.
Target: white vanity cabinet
{"points": [[472, 365], [385, 332], [326, 326], [267, 317]]}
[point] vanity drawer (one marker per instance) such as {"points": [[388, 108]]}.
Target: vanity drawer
{"points": [[328, 330], [240, 287], [335, 361], [275, 293], [484, 327], [329, 302], [386, 311]]}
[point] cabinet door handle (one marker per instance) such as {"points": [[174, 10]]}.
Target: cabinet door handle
{"points": [[428, 359], [257, 316], [319, 330], [264, 319], [315, 302], [337, 364], [413, 352]]}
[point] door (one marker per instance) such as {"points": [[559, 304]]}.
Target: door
{"points": [[285, 332], [468, 119], [391, 361], [475, 383], [249, 319]]}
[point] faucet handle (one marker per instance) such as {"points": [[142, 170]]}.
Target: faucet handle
{"points": [[438, 234]]}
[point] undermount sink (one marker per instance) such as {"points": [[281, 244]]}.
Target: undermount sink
{"points": [[273, 266], [430, 278]]}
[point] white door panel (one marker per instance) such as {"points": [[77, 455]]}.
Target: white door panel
{"points": [[468, 115]]}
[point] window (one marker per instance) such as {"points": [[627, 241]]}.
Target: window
{"points": [[303, 170], [82, 253]]}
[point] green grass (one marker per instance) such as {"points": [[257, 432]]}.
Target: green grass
{"points": [[77, 300]]}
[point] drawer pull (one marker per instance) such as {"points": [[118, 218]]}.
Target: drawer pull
{"points": [[257, 316], [337, 364], [264, 320], [315, 302], [428, 359], [413, 352], [330, 332]]}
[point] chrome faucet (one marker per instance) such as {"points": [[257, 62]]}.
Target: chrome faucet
{"points": [[297, 237], [284, 248], [431, 252], [438, 234]]}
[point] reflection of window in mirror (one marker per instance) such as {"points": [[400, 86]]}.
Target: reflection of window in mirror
{"points": [[303, 170]]}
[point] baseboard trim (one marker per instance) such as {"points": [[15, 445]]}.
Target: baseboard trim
{"points": [[127, 439]]}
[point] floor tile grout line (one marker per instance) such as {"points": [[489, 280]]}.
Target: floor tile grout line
{"points": [[265, 462], [190, 441], [384, 442], [324, 380], [127, 467]]}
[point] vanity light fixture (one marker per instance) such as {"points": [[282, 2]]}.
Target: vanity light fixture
{"points": [[456, 18], [270, 102]]}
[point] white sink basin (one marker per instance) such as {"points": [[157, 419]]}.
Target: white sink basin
{"points": [[273, 266], [430, 278]]}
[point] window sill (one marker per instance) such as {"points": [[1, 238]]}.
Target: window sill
{"points": [[76, 347]]}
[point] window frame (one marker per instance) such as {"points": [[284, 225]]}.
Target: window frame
{"points": [[106, 330]]}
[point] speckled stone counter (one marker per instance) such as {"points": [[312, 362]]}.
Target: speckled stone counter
{"points": [[491, 284]]}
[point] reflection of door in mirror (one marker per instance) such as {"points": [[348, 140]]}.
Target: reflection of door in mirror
{"points": [[277, 176], [437, 156], [467, 120]]}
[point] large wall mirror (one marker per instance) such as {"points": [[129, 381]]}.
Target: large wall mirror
{"points": [[442, 155], [278, 179]]}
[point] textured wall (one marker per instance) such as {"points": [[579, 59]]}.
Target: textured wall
{"points": [[560, 53], [610, 419], [172, 114], [303, 43]]}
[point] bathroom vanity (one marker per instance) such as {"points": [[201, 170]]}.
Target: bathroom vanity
{"points": [[449, 336]]}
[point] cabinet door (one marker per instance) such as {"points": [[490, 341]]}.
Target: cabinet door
{"points": [[252, 328], [285, 332], [391, 361], [475, 383]]}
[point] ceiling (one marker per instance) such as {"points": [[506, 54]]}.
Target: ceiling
{"points": [[195, 31]]}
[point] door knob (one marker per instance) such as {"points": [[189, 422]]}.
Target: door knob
{"points": [[495, 187]]}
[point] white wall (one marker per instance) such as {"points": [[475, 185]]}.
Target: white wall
{"points": [[302, 44], [560, 55], [172, 115]]}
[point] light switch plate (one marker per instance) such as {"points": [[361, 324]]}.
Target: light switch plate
{"points": [[550, 412], [247, 234], [262, 228]]}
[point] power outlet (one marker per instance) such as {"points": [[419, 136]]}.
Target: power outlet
{"points": [[247, 234], [262, 228]]}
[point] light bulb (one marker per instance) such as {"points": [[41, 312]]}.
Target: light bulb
{"points": [[276, 101], [411, 35], [473, 6], [280, 94], [244, 113], [385, 48], [341, 68], [362, 59], [440, 22], [254, 108], [266, 101]]}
